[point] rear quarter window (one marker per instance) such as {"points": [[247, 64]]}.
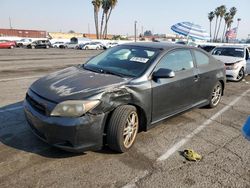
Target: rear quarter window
{"points": [[201, 58]]}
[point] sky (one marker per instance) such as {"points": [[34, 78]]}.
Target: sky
{"points": [[157, 15]]}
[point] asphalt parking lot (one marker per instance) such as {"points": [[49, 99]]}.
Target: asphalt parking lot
{"points": [[155, 159]]}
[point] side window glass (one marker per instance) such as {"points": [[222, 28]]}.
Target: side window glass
{"points": [[201, 58], [178, 60]]}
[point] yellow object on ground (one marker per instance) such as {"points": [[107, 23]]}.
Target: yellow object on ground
{"points": [[191, 155]]}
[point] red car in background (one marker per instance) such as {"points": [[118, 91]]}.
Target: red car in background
{"points": [[7, 44]]}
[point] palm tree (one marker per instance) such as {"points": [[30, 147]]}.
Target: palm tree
{"points": [[227, 18], [112, 4], [233, 11], [217, 13], [97, 5], [222, 11], [105, 9], [210, 18]]}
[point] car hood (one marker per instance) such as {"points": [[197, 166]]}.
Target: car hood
{"points": [[228, 59], [74, 83]]}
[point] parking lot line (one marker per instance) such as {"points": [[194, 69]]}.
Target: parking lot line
{"points": [[179, 144], [11, 109], [20, 78]]}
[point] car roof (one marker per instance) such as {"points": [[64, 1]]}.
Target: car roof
{"points": [[156, 45], [231, 46]]}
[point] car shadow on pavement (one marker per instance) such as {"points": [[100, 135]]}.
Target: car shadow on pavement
{"points": [[15, 133]]}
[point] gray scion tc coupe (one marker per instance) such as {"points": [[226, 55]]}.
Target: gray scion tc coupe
{"points": [[124, 90]]}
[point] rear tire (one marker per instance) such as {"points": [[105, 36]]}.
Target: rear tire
{"points": [[122, 128], [215, 96]]}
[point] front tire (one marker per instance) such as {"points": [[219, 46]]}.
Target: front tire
{"points": [[241, 75], [123, 128], [215, 96]]}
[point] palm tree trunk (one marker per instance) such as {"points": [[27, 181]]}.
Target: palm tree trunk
{"points": [[215, 28], [102, 25], [105, 27], [224, 30], [218, 28], [96, 23], [107, 20]]}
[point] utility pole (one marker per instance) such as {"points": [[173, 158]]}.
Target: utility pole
{"points": [[10, 22], [135, 30], [238, 20], [88, 29]]}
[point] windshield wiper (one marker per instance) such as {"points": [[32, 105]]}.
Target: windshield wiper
{"points": [[105, 71]]}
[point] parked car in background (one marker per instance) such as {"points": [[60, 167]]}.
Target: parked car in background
{"points": [[57, 44], [207, 48], [70, 45], [188, 43], [181, 42], [81, 46], [23, 42], [125, 89], [93, 46], [7, 44], [110, 45], [236, 59], [39, 44]]}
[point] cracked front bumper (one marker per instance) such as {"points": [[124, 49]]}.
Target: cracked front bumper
{"points": [[71, 134]]}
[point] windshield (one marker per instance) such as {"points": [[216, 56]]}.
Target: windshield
{"points": [[234, 52], [123, 60]]}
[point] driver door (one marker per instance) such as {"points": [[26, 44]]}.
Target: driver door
{"points": [[172, 95]]}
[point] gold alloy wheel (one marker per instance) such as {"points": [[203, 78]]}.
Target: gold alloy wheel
{"points": [[216, 95], [130, 129]]}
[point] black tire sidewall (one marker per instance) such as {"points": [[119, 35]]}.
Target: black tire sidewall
{"points": [[116, 126]]}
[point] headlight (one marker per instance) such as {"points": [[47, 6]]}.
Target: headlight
{"points": [[74, 108], [232, 66]]}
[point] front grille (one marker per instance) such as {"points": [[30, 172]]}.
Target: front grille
{"points": [[39, 107]]}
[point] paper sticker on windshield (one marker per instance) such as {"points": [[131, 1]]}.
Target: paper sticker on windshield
{"points": [[139, 59], [239, 50]]}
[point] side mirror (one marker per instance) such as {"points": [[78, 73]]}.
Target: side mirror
{"points": [[163, 73]]}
